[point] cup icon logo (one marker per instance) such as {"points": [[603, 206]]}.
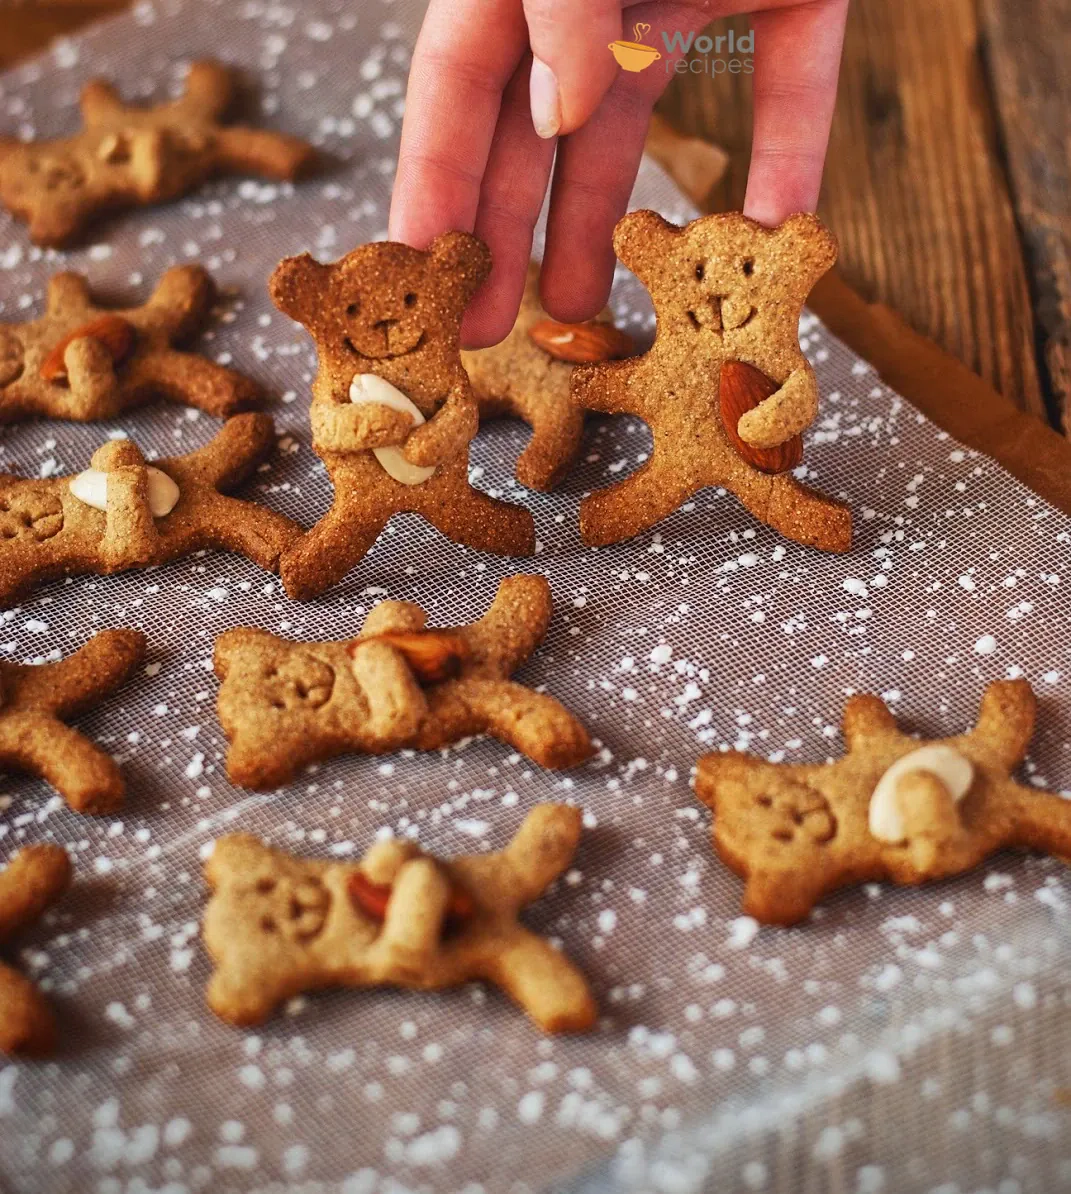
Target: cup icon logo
{"points": [[635, 55]]}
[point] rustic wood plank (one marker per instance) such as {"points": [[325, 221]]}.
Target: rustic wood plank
{"points": [[1027, 43], [26, 29], [914, 186]]}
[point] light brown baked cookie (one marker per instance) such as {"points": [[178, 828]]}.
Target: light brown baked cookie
{"points": [[726, 290], [134, 157], [82, 361], [276, 925], [797, 832], [392, 410], [36, 699], [527, 377], [284, 705], [123, 513], [32, 881]]}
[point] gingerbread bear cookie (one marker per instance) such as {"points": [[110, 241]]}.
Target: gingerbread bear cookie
{"points": [[725, 389], [392, 410], [81, 361], [32, 881], [36, 699], [122, 513], [276, 925], [284, 705], [894, 807], [527, 377], [134, 157]]}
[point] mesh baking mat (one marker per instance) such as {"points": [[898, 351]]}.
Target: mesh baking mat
{"points": [[901, 1040]]}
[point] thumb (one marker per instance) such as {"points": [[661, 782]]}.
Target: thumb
{"points": [[572, 67]]}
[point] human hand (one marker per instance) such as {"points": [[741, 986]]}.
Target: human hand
{"points": [[496, 86]]}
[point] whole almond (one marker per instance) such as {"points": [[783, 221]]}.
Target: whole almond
{"points": [[581, 343], [434, 655], [742, 388], [374, 898], [114, 332]]}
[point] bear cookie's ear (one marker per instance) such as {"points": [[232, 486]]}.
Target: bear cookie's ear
{"points": [[640, 240], [462, 257], [297, 287], [811, 244]]}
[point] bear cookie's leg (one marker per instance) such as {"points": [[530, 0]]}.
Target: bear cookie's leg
{"points": [[634, 505]]}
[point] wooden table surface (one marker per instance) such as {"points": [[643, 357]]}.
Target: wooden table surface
{"points": [[949, 173]]}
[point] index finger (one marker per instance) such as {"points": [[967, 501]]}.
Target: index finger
{"points": [[464, 57]]}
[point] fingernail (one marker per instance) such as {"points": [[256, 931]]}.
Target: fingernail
{"points": [[546, 104]]}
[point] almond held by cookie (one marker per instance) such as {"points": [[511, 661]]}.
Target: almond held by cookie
{"points": [[112, 331], [893, 808], [276, 925], [82, 361], [374, 898], [581, 343], [123, 513], [520, 379], [742, 389], [725, 290], [396, 685], [392, 408], [433, 655]]}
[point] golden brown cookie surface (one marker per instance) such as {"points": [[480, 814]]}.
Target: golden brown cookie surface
{"points": [[33, 880], [392, 409], [894, 807], [124, 513], [35, 700], [521, 378], [283, 705], [725, 289], [133, 157], [276, 925], [82, 361]]}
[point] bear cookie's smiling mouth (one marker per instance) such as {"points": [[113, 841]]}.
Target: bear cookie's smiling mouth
{"points": [[722, 315], [387, 352]]}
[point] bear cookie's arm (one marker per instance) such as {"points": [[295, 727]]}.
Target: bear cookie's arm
{"points": [[787, 412], [344, 427], [447, 432]]}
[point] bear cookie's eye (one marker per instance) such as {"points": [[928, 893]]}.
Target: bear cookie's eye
{"points": [[410, 299], [699, 272], [748, 267]]}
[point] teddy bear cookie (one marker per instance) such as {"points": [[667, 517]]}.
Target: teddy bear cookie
{"points": [[392, 409], [123, 513], [81, 361], [398, 684], [527, 377], [276, 925], [725, 389], [894, 807], [134, 157], [36, 699], [31, 882]]}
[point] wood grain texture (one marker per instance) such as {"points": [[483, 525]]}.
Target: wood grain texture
{"points": [[1027, 43], [914, 185], [28, 27]]}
